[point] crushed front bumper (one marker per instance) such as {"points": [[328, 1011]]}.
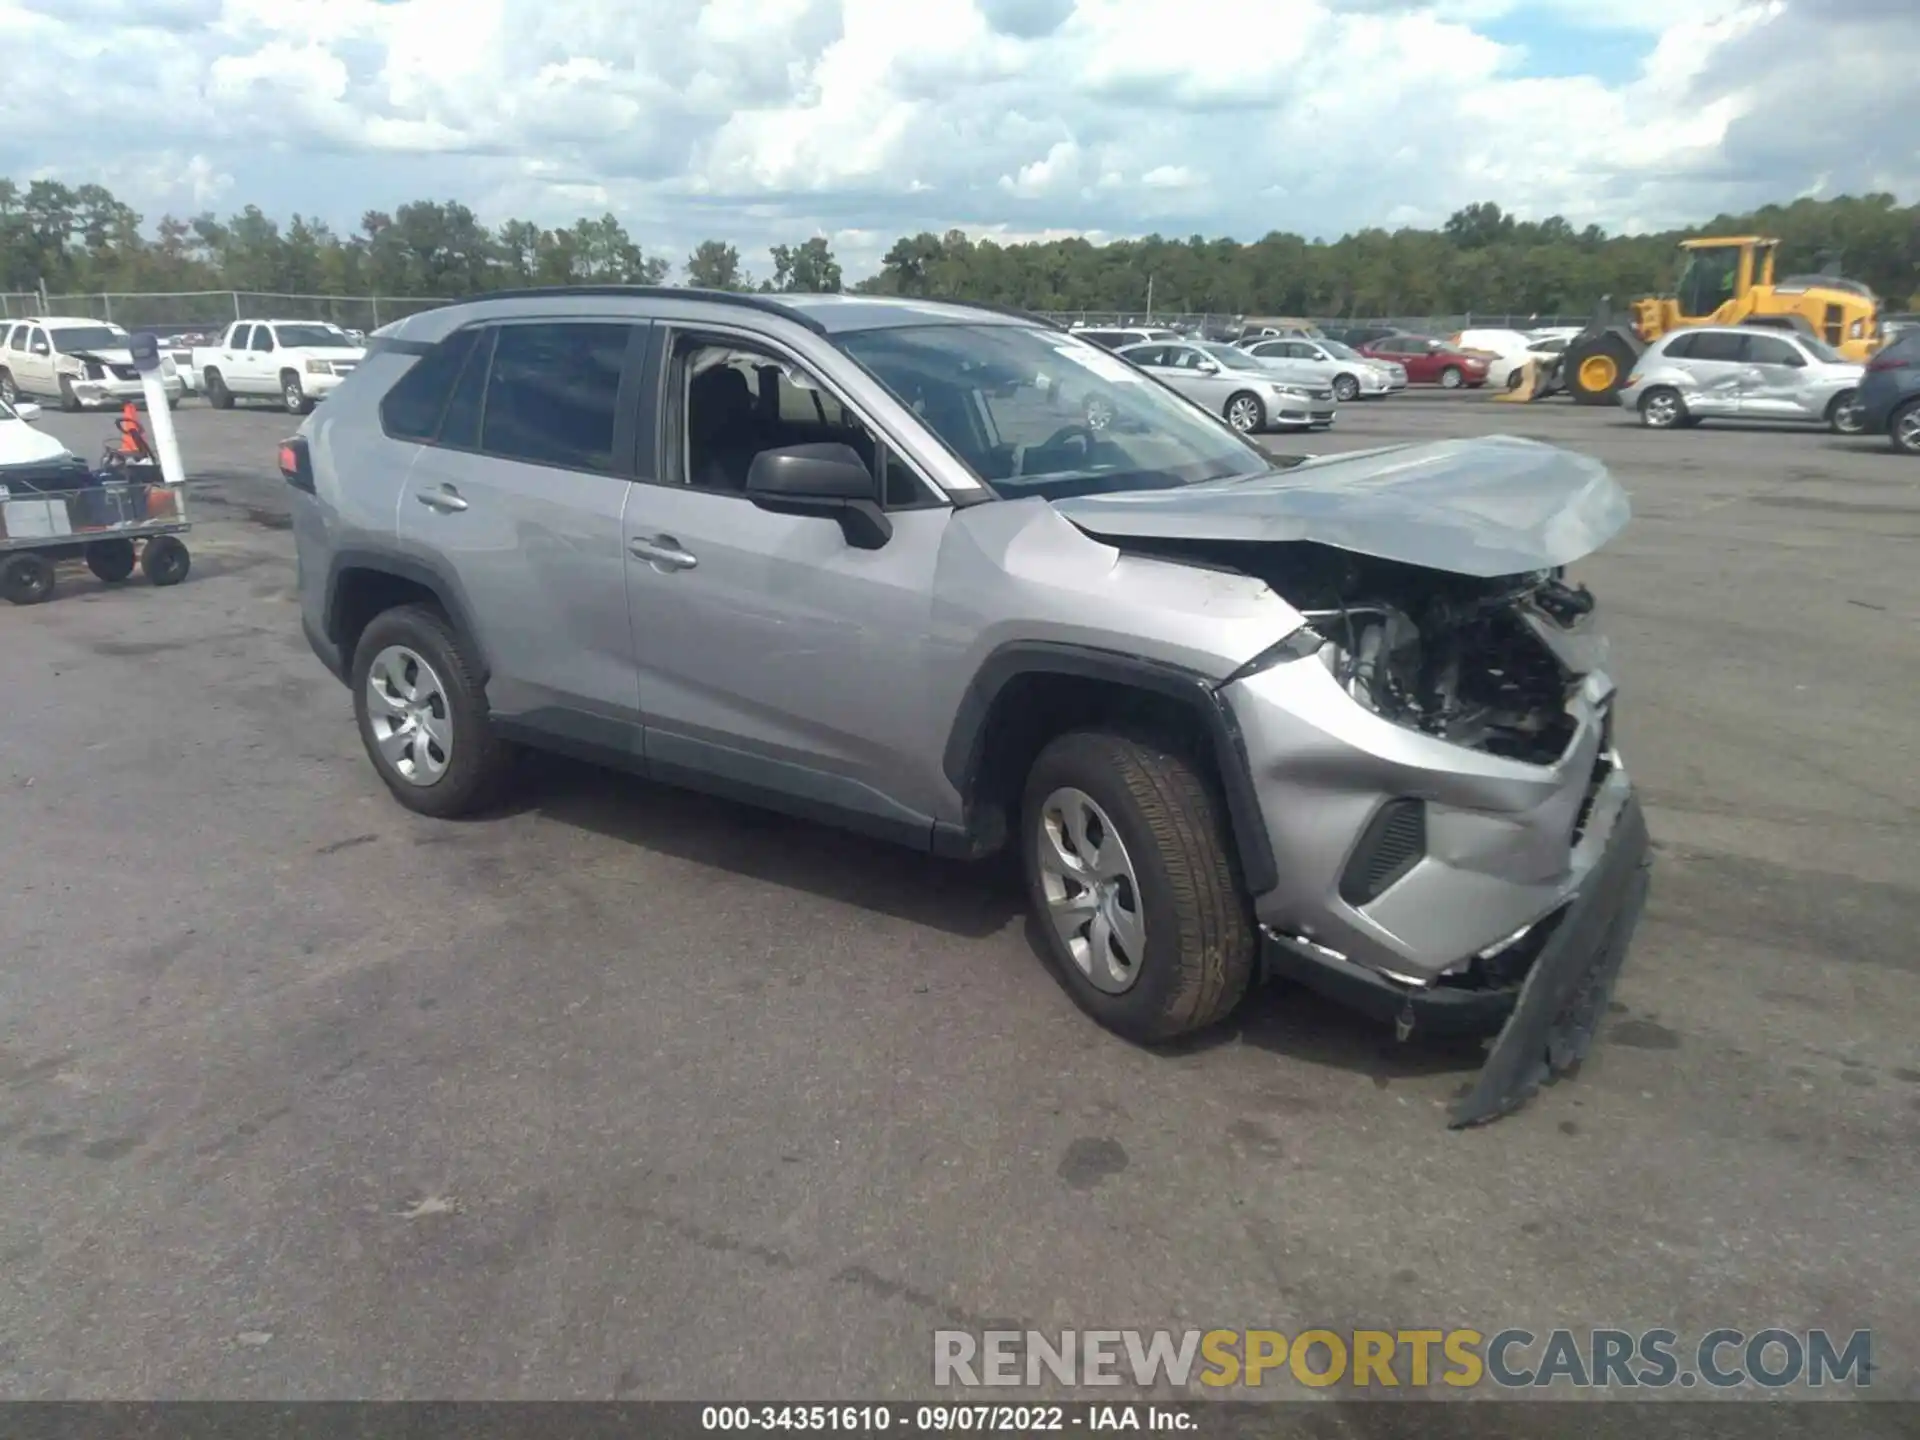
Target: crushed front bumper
{"points": [[117, 390]]}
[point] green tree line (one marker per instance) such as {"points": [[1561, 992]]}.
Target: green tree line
{"points": [[83, 239]]}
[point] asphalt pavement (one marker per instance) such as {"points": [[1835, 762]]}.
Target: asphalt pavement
{"points": [[630, 1093]]}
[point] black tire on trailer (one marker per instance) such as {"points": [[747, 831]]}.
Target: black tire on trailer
{"points": [[1162, 882], [1596, 365], [26, 578], [111, 560], [165, 560]]}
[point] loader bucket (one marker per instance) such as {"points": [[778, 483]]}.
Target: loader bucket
{"points": [[1528, 384]]}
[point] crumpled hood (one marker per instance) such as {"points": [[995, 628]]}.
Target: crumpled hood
{"points": [[1485, 508]]}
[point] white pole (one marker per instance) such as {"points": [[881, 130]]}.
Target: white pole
{"points": [[166, 445]]}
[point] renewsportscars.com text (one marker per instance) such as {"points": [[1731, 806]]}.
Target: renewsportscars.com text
{"points": [[1566, 1359]]}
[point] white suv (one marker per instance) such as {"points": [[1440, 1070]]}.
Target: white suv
{"points": [[81, 363]]}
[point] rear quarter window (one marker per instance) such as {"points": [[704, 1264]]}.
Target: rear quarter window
{"points": [[411, 410]]}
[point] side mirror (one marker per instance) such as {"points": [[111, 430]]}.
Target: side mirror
{"points": [[27, 410], [826, 480], [1208, 367]]}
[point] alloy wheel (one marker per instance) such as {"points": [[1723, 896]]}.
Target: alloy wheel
{"points": [[1661, 410], [1244, 414], [1906, 430], [1092, 895], [408, 712]]}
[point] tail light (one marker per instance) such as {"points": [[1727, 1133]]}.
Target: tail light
{"points": [[296, 465], [1888, 362]]}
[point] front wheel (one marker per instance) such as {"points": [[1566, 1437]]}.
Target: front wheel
{"points": [[293, 395], [1346, 389], [1904, 428], [423, 715], [1245, 413], [1131, 877], [1844, 416], [165, 560], [9, 392], [69, 401]]}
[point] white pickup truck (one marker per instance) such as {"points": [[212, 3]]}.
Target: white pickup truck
{"points": [[296, 362]]}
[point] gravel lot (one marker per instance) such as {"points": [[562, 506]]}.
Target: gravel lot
{"points": [[632, 1093]]}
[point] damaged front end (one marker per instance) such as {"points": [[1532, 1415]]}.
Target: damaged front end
{"points": [[1458, 843]]}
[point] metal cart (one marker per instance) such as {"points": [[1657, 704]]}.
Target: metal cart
{"points": [[116, 517]]}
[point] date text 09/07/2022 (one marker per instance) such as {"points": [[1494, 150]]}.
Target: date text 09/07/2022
{"points": [[946, 1419]]}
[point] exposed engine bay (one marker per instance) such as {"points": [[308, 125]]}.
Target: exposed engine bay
{"points": [[1453, 656]]}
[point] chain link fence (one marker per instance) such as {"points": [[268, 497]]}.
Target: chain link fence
{"points": [[189, 311], [1220, 324]]}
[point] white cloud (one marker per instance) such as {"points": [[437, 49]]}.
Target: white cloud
{"points": [[768, 120]]}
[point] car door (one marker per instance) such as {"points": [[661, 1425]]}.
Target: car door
{"points": [[1195, 374], [779, 661], [1714, 360], [34, 373], [259, 364], [518, 500], [1773, 381]]}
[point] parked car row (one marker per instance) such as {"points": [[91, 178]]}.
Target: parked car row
{"points": [[81, 364]]}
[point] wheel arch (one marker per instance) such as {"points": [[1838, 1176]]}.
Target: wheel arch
{"points": [[363, 584], [1027, 692]]}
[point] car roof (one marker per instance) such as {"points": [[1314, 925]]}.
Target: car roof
{"points": [[61, 322], [823, 314]]}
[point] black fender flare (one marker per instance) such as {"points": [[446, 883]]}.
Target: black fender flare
{"points": [[966, 740], [440, 582]]}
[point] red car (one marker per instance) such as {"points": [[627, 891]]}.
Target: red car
{"points": [[1430, 361]]}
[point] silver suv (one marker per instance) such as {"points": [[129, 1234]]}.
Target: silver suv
{"points": [[864, 560]]}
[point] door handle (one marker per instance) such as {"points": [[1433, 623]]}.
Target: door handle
{"points": [[661, 551], [446, 499]]}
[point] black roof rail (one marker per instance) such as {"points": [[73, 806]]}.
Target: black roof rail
{"points": [[765, 303]]}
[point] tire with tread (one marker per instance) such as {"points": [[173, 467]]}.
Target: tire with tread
{"points": [[1346, 389], [218, 395], [293, 395], [69, 401], [481, 760], [1662, 408], [26, 578], [1452, 378], [1201, 943], [1843, 418], [1609, 343], [165, 560], [111, 560], [1259, 411]]}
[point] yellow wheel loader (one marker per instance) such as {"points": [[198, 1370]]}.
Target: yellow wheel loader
{"points": [[1726, 281]]}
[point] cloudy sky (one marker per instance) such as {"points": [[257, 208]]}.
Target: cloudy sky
{"points": [[771, 120]]}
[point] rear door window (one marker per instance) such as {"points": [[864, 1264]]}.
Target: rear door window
{"points": [[411, 410], [1718, 345], [553, 394]]}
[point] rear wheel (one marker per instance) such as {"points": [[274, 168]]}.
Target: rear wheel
{"points": [[1130, 876], [1844, 416], [26, 579], [423, 714], [1245, 412], [218, 395], [1903, 429], [1595, 366], [1661, 408]]}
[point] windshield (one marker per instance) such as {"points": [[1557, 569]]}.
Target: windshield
{"points": [[1041, 412], [1822, 351], [313, 337], [1227, 355], [1339, 351], [88, 337]]}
